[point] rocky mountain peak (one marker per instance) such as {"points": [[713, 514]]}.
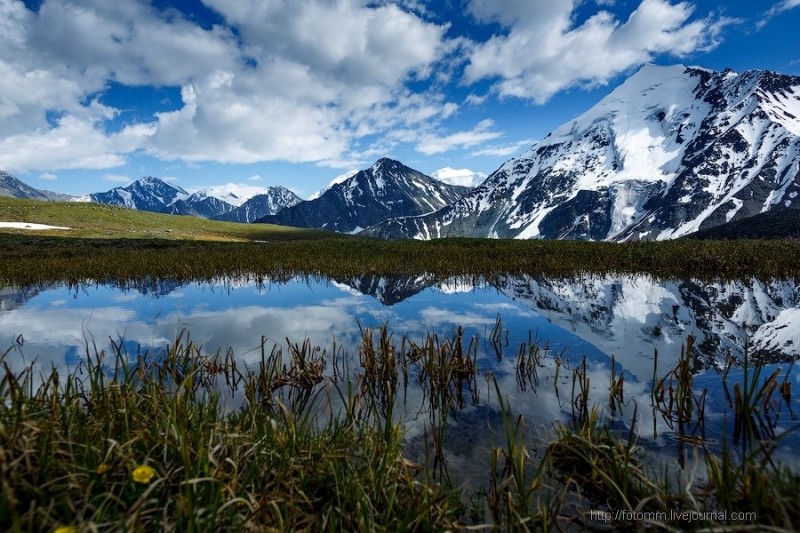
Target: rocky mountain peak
{"points": [[386, 189], [670, 151]]}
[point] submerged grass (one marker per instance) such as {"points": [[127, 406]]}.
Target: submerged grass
{"points": [[153, 449], [190, 441]]}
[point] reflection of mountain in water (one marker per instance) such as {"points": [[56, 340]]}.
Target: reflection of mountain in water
{"points": [[630, 316], [390, 290], [635, 314], [15, 297], [154, 287]]}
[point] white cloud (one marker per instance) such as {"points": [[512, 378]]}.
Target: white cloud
{"points": [[474, 99], [777, 9], [543, 52], [75, 142], [255, 178], [308, 98], [129, 41], [430, 143], [504, 150], [280, 80], [48, 176]]}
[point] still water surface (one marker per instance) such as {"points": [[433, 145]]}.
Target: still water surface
{"points": [[628, 317]]}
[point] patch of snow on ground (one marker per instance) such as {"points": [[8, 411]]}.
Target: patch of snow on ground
{"points": [[29, 225]]}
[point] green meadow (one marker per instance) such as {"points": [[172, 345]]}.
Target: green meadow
{"points": [[107, 242]]}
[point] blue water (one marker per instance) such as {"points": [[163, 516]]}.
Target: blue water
{"points": [[596, 318]]}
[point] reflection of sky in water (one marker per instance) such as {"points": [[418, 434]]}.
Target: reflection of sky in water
{"points": [[57, 323], [573, 318]]}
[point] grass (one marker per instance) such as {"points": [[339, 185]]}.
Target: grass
{"points": [[100, 221], [185, 440], [153, 449], [27, 259], [123, 245]]}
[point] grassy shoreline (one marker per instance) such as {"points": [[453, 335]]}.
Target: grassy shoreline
{"points": [[26, 260], [112, 243], [140, 442]]}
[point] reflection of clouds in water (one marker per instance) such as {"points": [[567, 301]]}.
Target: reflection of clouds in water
{"points": [[128, 297], [50, 334], [504, 308], [436, 317], [347, 289], [241, 328], [615, 313]]}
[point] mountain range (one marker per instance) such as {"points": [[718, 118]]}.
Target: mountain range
{"points": [[671, 151], [219, 203], [153, 194]]}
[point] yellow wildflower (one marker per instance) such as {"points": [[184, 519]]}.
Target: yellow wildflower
{"points": [[102, 468], [143, 474], [66, 529]]}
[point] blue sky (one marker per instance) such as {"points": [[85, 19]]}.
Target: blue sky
{"points": [[94, 93]]}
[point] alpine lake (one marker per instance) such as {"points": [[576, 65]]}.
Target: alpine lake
{"points": [[541, 349]]}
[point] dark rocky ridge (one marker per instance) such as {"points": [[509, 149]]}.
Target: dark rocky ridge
{"points": [[387, 189]]}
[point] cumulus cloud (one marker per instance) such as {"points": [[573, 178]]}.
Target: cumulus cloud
{"points": [[295, 81], [73, 143], [322, 74], [459, 176], [279, 80], [542, 51]]}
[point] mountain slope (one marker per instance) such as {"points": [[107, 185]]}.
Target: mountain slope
{"points": [[144, 194], [15, 188], [267, 203], [387, 189], [199, 205], [670, 151], [774, 224]]}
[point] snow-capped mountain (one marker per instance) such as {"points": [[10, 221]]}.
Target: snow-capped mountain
{"points": [[235, 194], [15, 188], [199, 204], [459, 176], [670, 151], [241, 203], [387, 189], [146, 194], [269, 202], [633, 315], [389, 290], [338, 179]]}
